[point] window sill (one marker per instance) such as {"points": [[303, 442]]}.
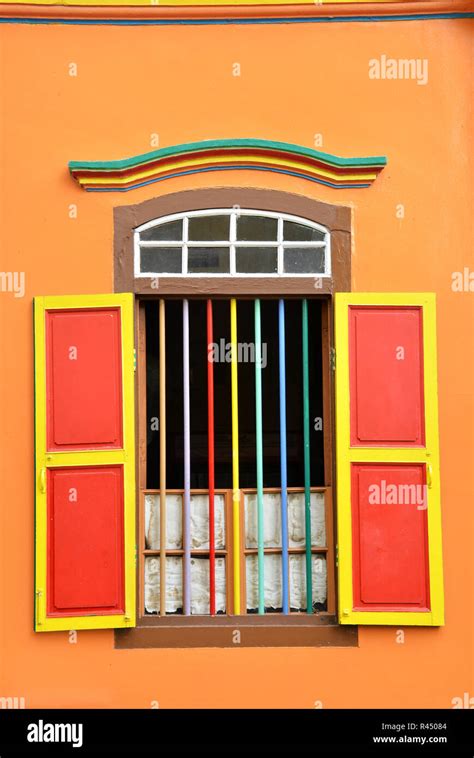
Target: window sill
{"points": [[238, 631]]}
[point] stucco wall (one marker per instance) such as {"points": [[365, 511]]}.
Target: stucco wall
{"points": [[295, 81]]}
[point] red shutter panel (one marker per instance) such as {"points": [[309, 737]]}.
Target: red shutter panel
{"points": [[389, 527], [84, 379], [85, 498]]}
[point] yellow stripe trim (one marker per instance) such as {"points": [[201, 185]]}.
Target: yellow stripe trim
{"points": [[345, 455], [235, 455]]}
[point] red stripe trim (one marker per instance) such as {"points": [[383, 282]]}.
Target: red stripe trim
{"points": [[210, 432]]}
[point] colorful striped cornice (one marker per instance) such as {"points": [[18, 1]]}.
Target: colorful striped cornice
{"points": [[226, 154], [203, 12]]}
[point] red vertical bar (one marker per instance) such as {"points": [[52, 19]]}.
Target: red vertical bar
{"points": [[210, 436]]}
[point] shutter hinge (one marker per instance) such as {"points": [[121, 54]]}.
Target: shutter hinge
{"points": [[39, 596], [134, 359], [337, 556], [333, 359]]}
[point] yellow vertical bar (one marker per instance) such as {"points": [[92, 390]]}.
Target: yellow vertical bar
{"points": [[162, 459], [235, 455]]}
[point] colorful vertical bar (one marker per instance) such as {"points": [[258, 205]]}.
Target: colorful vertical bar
{"points": [[210, 449], [259, 446], [307, 459], [187, 467], [235, 455], [283, 456], [162, 335]]}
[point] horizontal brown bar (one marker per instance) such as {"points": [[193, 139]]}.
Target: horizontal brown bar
{"points": [[276, 550], [296, 618], [238, 634], [245, 490], [196, 553], [181, 492], [234, 285], [247, 551]]}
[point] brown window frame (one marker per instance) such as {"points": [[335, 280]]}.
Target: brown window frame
{"points": [[269, 630]]}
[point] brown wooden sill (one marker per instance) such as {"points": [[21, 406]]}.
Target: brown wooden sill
{"points": [[238, 631]]}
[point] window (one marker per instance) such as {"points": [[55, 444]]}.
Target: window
{"points": [[276, 550], [226, 242], [94, 570]]}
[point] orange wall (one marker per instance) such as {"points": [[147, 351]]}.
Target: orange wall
{"points": [[296, 80]]}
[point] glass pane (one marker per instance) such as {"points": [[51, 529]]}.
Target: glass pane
{"points": [[256, 260], [200, 585], [304, 260], [170, 232], [296, 520], [256, 228], [297, 581], [160, 260], [272, 582], [208, 228], [208, 260], [200, 522], [174, 585], [174, 522], [301, 233]]}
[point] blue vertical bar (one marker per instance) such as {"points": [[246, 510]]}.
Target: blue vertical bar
{"points": [[284, 483]]}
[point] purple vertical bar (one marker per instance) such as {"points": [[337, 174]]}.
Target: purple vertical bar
{"points": [[187, 467]]}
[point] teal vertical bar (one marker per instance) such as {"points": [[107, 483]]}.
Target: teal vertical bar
{"points": [[259, 445], [307, 464]]}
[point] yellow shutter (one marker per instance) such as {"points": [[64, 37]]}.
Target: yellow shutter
{"points": [[84, 462], [384, 538]]}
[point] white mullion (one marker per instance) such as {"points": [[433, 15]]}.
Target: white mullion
{"points": [[160, 243], [327, 256], [232, 241], [280, 245], [137, 254], [225, 243], [184, 252], [204, 243], [240, 243], [303, 243]]}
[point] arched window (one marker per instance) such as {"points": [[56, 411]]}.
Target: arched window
{"points": [[232, 242]]}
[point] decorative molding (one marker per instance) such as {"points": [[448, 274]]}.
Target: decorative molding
{"points": [[202, 12], [223, 155], [207, 3]]}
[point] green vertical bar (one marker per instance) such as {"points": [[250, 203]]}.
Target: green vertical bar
{"points": [[259, 444], [307, 466]]}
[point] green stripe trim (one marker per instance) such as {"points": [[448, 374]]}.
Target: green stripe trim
{"points": [[227, 144]]}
